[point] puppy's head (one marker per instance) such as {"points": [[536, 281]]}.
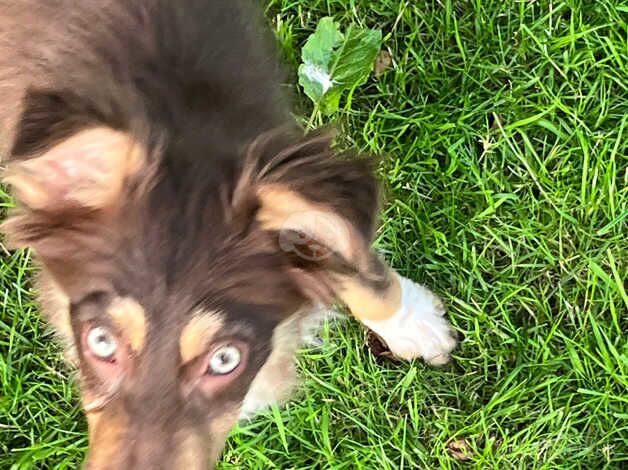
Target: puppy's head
{"points": [[178, 267]]}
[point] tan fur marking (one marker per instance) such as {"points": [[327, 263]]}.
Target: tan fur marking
{"points": [[55, 305], [277, 378], [366, 303], [191, 450], [198, 333], [283, 209], [219, 431], [130, 318], [106, 433], [88, 168]]}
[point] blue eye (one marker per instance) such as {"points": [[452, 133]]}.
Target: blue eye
{"points": [[102, 342], [224, 360]]}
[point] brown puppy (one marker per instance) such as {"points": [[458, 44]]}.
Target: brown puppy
{"points": [[185, 229]]}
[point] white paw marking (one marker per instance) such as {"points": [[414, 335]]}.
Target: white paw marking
{"points": [[418, 328]]}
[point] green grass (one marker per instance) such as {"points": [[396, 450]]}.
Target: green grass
{"points": [[505, 130]]}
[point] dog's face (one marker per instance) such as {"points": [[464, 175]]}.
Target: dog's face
{"points": [[164, 398], [167, 356], [177, 277]]}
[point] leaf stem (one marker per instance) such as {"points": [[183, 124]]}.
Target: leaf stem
{"points": [[310, 122]]}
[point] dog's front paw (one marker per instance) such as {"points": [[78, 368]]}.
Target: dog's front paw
{"points": [[418, 328]]}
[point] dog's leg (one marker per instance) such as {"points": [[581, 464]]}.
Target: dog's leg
{"points": [[408, 316], [278, 378]]}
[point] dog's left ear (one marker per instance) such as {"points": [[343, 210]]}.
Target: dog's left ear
{"points": [[321, 207]]}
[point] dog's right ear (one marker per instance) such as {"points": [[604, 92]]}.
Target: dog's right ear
{"points": [[69, 172], [63, 159], [86, 170]]}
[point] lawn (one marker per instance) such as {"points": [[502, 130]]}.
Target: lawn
{"points": [[503, 127]]}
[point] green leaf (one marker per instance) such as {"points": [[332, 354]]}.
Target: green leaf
{"points": [[334, 62], [320, 45]]}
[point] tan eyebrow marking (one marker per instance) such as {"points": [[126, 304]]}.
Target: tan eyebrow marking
{"points": [[198, 332], [130, 318]]}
